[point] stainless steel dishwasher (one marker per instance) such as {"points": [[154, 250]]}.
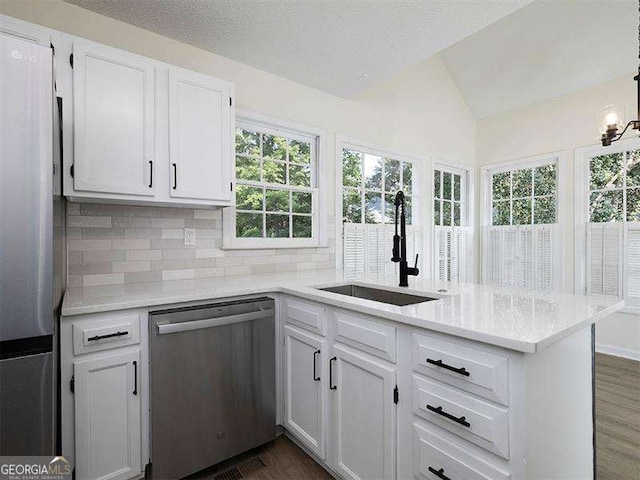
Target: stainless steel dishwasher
{"points": [[212, 384]]}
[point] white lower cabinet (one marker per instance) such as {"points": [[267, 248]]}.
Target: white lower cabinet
{"points": [[364, 434]]}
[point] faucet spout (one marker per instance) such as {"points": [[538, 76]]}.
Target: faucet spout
{"points": [[399, 253]]}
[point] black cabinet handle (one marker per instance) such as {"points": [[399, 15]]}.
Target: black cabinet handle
{"points": [[135, 377], [175, 176], [316, 378], [110, 335], [439, 411], [439, 473], [331, 385], [441, 364], [150, 173]]}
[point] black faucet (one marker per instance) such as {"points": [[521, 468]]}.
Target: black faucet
{"points": [[400, 243]]}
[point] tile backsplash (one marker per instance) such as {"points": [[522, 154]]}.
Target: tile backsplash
{"points": [[118, 244]]}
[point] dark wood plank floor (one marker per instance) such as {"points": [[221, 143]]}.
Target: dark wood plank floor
{"points": [[282, 459], [617, 418]]}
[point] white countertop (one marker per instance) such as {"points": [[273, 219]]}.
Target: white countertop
{"points": [[520, 320]]}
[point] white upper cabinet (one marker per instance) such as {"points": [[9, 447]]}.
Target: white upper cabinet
{"points": [[200, 136], [113, 94]]}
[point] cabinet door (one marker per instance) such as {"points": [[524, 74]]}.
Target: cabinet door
{"points": [[200, 137], [113, 94], [107, 417], [305, 405], [364, 416]]}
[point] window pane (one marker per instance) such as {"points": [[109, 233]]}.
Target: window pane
{"points": [[277, 200], [407, 177], [372, 172], [301, 226], [436, 184], [248, 224], [501, 212], [544, 210], [446, 213], [522, 211], [247, 142], [457, 219], [436, 212], [274, 172], [352, 206], [446, 185], [408, 210], [456, 187], [274, 147], [248, 198], [248, 169], [300, 175], [372, 207], [522, 186], [605, 206], [299, 152], [391, 175], [277, 226], [389, 208], [633, 204], [633, 168], [544, 179], [605, 171], [351, 168], [301, 202], [501, 187]]}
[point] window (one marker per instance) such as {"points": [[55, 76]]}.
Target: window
{"points": [[521, 242], [608, 224], [451, 232], [370, 181], [275, 188]]}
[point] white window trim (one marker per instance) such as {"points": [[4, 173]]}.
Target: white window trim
{"points": [[581, 209], [562, 208], [469, 215], [418, 207], [319, 222]]}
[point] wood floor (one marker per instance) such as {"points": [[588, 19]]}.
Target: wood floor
{"points": [[277, 460], [617, 418]]}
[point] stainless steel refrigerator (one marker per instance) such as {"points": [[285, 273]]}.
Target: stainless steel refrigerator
{"points": [[31, 248]]}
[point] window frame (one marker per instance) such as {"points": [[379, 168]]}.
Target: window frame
{"points": [[582, 157], [254, 121], [417, 194]]}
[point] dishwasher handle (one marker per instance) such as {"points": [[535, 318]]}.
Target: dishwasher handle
{"points": [[167, 327]]}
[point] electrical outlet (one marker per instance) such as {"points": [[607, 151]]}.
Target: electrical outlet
{"points": [[190, 237]]}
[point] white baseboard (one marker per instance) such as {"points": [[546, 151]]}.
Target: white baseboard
{"points": [[618, 351]]}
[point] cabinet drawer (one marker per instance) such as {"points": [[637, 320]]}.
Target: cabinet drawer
{"points": [[305, 315], [476, 371], [432, 453], [367, 335], [470, 418], [94, 335]]}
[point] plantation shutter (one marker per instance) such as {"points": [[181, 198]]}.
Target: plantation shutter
{"points": [[632, 263], [604, 268], [353, 248], [451, 253]]}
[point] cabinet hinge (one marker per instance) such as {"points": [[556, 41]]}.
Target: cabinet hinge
{"points": [[396, 395], [72, 170], [72, 384], [71, 60]]}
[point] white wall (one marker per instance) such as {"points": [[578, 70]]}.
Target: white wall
{"points": [[561, 125], [420, 112]]}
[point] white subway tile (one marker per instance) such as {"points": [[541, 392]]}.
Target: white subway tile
{"points": [[130, 243], [73, 208], [178, 274], [209, 272], [209, 253], [167, 223], [131, 222], [139, 266], [238, 270], [104, 279], [173, 233], [134, 255], [75, 244], [207, 214], [87, 221]]}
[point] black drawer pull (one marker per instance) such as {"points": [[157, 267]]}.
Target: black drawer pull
{"points": [[441, 364], [316, 378], [150, 174], [439, 411], [439, 473], [175, 176], [109, 335], [135, 377], [331, 385]]}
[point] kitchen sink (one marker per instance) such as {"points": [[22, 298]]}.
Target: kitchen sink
{"points": [[378, 295]]}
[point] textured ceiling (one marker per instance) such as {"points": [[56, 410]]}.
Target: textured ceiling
{"points": [[544, 50], [339, 46]]}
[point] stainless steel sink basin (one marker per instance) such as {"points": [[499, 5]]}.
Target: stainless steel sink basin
{"points": [[378, 295]]}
